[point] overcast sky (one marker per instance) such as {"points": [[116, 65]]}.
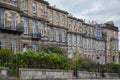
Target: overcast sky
{"points": [[97, 10]]}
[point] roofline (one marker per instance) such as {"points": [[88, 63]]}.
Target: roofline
{"points": [[56, 9], [43, 1]]}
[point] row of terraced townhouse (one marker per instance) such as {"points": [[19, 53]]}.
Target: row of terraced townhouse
{"points": [[31, 24]]}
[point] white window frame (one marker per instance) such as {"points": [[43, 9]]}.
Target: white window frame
{"points": [[63, 19], [42, 9], [34, 7], [34, 29], [42, 27], [84, 42], [57, 35], [25, 4], [13, 0], [68, 38], [57, 17], [63, 36], [99, 32], [51, 34], [2, 43], [78, 39], [25, 26], [34, 47], [69, 23], [51, 15], [13, 45], [13, 21], [2, 19]]}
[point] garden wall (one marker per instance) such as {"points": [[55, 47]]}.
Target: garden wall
{"points": [[25, 74], [3, 73], [94, 75]]}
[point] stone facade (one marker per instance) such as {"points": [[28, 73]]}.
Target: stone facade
{"points": [[31, 24]]}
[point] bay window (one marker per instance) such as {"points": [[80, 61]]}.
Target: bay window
{"points": [[2, 19]]}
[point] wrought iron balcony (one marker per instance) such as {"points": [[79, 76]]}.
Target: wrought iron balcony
{"points": [[12, 30], [36, 36]]}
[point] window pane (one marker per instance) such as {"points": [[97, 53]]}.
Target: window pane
{"points": [[51, 15], [63, 19], [13, 45], [57, 35], [34, 27], [2, 19], [13, 21], [42, 28], [63, 36], [42, 9], [34, 8], [57, 17], [2, 43], [25, 26], [34, 47], [51, 34], [25, 6]]}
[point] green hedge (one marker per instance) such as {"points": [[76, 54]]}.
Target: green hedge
{"points": [[32, 59], [43, 60], [4, 57], [112, 68]]}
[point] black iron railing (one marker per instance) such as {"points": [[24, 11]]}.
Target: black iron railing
{"points": [[36, 36], [11, 29]]}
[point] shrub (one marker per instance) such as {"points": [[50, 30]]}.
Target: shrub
{"points": [[84, 64], [4, 57], [5, 52], [52, 49], [113, 67]]}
